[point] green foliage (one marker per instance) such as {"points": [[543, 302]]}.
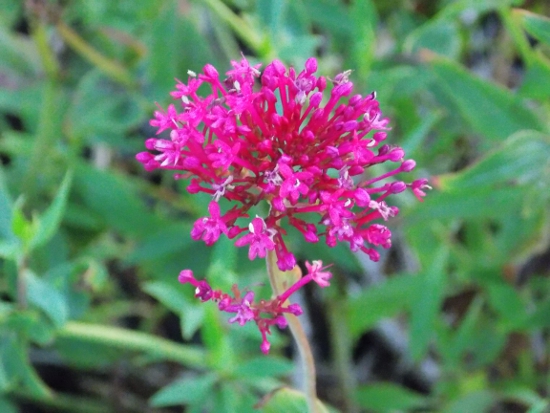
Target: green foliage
{"points": [[91, 246], [288, 400]]}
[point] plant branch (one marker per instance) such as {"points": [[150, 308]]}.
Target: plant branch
{"points": [[298, 332]]}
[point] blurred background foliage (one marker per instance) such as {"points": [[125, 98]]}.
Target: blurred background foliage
{"points": [[455, 318]]}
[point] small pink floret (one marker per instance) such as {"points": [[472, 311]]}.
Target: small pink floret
{"points": [[316, 272]]}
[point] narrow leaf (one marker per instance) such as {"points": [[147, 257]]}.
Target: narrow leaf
{"points": [[46, 297], [388, 397], [288, 401], [536, 25], [380, 301], [492, 111], [523, 158], [51, 219], [189, 390], [428, 298]]}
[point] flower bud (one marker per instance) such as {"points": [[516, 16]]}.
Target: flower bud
{"points": [[397, 187], [311, 65], [408, 165]]}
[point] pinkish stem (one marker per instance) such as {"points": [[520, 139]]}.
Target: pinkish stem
{"points": [[299, 335]]}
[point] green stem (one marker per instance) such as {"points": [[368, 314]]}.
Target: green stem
{"points": [[298, 332], [241, 28], [49, 61], [111, 68], [134, 341]]}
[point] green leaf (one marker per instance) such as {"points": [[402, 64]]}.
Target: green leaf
{"points": [[540, 317], [94, 117], [49, 222], [536, 25], [539, 407], [167, 240], [471, 202], [380, 301], [330, 15], [22, 228], [6, 406], [130, 340], [288, 401], [508, 304], [364, 19], [427, 300], [490, 110], [115, 200], [19, 54], [233, 398], [440, 36], [264, 367], [535, 81], [170, 31], [388, 397], [522, 159], [9, 249], [172, 296], [32, 325], [473, 402], [46, 297], [19, 370], [168, 294], [271, 14], [12, 11], [189, 390], [191, 319]]}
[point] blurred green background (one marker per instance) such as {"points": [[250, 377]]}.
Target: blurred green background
{"points": [[455, 318]]}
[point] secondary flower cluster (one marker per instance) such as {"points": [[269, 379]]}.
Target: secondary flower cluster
{"points": [[287, 142], [277, 142], [265, 313]]}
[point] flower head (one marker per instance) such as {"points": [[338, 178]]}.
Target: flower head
{"points": [[274, 141]]}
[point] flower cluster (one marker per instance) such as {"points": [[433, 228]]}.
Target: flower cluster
{"points": [[277, 142], [281, 139], [265, 313]]}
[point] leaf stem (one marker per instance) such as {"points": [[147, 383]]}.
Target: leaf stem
{"points": [[299, 336], [134, 341]]}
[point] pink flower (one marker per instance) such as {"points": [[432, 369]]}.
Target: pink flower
{"points": [[279, 145], [209, 229], [259, 237], [418, 188], [265, 313], [316, 273]]}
